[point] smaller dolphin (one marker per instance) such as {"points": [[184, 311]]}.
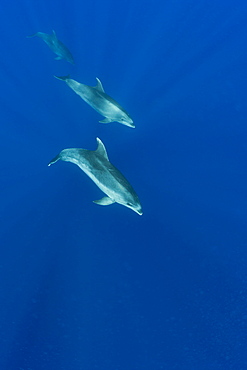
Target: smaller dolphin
{"points": [[55, 45], [100, 101], [107, 177]]}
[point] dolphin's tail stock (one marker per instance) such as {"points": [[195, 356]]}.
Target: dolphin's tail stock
{"points": [[63, 78], [54, 160]]}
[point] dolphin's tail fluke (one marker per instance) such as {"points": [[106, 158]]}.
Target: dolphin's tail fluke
{"points": [[35, 34], [54, 160], [63, 78]]}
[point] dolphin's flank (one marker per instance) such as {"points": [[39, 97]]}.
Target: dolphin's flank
{"points": [[107, 177]]}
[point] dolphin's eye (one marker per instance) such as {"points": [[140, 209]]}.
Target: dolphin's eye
{"points": [[129, 204]]}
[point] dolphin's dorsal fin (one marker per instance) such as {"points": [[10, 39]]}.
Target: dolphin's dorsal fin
{"points": [[105, 201], [99, 85], [101, 150], [54, 34]]}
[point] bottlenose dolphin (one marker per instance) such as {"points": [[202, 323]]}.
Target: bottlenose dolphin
{"points": [[107, 177], [56, 46], [100, 101]]}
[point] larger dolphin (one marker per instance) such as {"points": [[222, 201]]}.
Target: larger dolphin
{"points": [[107, 177], [55, 45], [100, 101]]}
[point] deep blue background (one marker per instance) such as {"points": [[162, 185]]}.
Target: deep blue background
{"points": [[87, 287]]}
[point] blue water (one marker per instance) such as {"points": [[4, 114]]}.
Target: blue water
{"points": [[86, 287]]}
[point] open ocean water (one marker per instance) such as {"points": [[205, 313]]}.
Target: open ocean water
{"points": [[85, 287]]}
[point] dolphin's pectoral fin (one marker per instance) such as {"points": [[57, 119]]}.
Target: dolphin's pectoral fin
{"points": [[58, 58], [106, 120], [99, 85], [105, 201], [54, 160]]}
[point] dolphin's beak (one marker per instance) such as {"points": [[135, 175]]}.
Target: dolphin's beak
{"points": [[139, 211], [131, 124]]}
